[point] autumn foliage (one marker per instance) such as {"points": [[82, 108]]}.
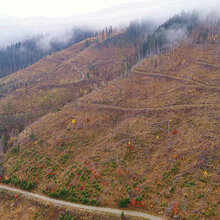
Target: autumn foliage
{"points": [[175, 208], [175, 131]]}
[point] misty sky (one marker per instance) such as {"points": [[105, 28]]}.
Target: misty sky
{"points": [[67, 8], [54, 8], [21, 19]]}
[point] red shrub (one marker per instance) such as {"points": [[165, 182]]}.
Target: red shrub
{"points": [[90, 170], [133, 202], [119, 172], [175, 208], [175, 131], [49, 173], [204, 147], [175, 156], [138, 189]]}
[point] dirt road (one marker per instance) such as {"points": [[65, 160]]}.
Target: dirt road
{"points": [[79, 206]]}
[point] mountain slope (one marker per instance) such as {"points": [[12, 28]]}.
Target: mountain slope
{"points": [[149, 141], [58, 79]]}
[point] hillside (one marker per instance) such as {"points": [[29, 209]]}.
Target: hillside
{"points": [[149, 140], [59, 79]]}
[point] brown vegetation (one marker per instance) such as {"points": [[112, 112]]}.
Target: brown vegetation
{"points": [[143, 145]]}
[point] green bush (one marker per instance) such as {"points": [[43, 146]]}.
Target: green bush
{"points": [[123, 202], [93, 202], [63, 159], [59, 217], [23, 184], [15, 149], [135, 183], [67, 216], [59, 194], [32, 137], [73, 198], [85, 200]]}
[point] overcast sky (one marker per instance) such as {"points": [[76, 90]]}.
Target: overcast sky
{"points": [[67, 8], [21, 19], [55, 8]]}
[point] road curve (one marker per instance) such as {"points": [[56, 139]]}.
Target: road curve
{"points": [[83, 76], [81, 72], [79, 206]]}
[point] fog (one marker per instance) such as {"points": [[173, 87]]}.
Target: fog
{"points": [[16, 29]]}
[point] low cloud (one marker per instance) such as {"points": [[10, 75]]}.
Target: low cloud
{"points": [[175, 36], [14, 29]]}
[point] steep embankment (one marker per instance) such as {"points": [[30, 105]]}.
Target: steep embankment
{"points": [[148, 141]]}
